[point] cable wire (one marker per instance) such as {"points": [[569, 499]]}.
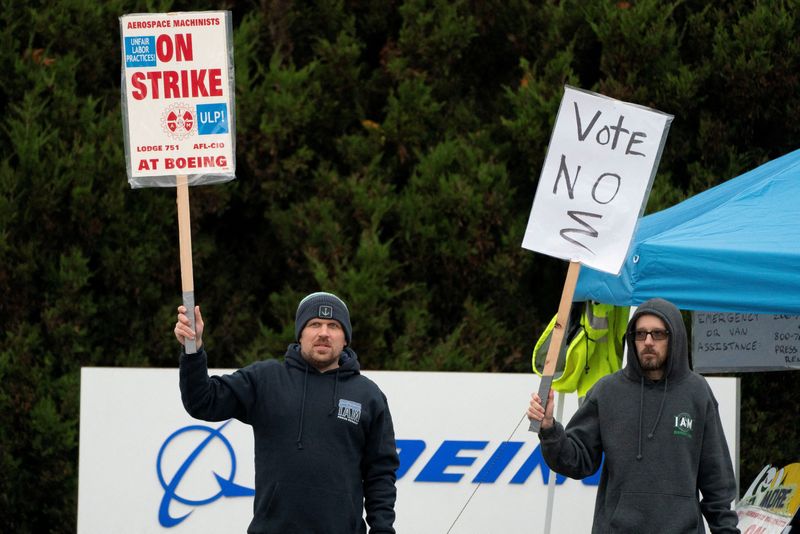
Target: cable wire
{"points": [[479, 483]]}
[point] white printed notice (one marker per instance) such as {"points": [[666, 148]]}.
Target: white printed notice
{"points": [[178, 97], [596, 178]]}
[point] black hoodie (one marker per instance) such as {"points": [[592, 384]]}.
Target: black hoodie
{"points": [[662, 440], [324, 442]]}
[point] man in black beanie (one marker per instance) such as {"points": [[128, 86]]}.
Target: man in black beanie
{"points": [[324, 439], [318, 311]]}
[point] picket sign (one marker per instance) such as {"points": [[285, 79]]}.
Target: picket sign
{"points": [[178, 112], [594, 185]]}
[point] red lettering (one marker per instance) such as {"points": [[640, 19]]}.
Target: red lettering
{"points": [[177, 83], [139, 88], [148, 164], [171, 84], [180, 49], [194, 162], [164, 48], [184, 83], [183, 46], [198, 82], [147, 24], [154, 77], [215, 82]]}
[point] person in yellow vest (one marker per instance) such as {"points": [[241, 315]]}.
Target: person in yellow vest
{"points": [[593, 346]]}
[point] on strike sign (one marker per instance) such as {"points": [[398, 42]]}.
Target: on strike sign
{"points": [[596, 178], [177, 97]]}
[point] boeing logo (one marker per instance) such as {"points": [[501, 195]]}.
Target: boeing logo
{"points": [[449, 453], [227, 488]]}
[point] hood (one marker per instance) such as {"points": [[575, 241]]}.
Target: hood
{"points": [[678, 350], [677, 358]]}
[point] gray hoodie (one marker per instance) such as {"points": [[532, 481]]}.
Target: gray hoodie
{"points": [[662, 441]]}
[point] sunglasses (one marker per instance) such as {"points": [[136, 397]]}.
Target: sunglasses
{"points": [[657, 335]]}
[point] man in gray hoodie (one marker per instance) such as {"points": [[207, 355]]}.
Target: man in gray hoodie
{"points": [[655, 427]]}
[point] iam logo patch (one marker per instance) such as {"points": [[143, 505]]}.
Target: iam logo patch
{"points": [[683, 425], [349, 411]]}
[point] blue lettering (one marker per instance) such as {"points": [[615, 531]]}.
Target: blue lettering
{"points": [[445, 456], [534, 460], [408, 450], [498, 462]]}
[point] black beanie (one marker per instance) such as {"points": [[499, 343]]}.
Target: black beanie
{"points": [[324, 306]]}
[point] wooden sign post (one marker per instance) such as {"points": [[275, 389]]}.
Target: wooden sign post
{"points": [[557, 338], [185, 238]]}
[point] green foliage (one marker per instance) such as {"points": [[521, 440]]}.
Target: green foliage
{"points": [[388, 152]]}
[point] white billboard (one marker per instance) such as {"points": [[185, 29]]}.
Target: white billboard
{"points": [[468, 464]]}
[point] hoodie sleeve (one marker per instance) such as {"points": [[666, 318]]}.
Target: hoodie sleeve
{"points": [[715, 478], [576, 451], [378, 468], [215, 398]]}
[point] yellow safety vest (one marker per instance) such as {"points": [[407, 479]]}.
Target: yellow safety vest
{"points": [[592, 346]]}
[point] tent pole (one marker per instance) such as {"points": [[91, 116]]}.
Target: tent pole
{"points": [[551, 476]]}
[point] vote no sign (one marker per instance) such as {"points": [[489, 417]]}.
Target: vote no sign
{"points": [[596, 178], [177, 97]]}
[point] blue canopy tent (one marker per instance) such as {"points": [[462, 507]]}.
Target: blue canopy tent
{"points": [[732, 248]]}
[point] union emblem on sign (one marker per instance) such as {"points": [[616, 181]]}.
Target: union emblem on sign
{"points": [[178, 122]]}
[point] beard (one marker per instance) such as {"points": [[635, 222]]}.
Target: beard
{"points": [[320, 360], [654, 362]]}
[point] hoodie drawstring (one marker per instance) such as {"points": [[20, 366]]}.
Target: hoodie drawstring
{"points": [[660, 410], [303, 403], [335, 390], [641, 412], [302, 410]]}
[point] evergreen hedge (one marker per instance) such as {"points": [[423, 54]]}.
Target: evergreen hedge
{"points": [[387, 151]]}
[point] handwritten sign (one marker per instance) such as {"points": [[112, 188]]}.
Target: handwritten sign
{"points": [[596, 178], [729, 342], [771, 502], [177, 97]]}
